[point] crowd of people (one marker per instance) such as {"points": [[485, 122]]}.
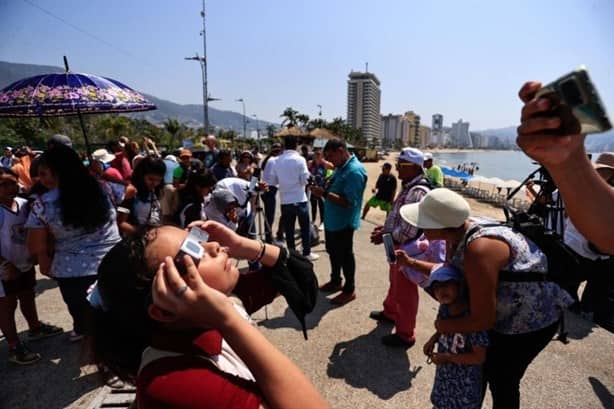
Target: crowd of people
{"points": [[140, 243]]}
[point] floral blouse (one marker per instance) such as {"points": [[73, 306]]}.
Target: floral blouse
{"points": [[521, 306]]}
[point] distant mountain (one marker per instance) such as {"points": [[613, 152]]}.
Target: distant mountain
{"points": [[190, 115], [603, 142]]}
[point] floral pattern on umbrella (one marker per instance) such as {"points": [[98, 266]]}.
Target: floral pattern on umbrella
{"points": [[69, 94]]}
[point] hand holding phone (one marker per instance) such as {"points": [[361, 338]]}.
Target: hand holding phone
{"points": [[389, 247], [575, 101]]}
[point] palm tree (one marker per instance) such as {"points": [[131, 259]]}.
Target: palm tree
{"points": [[303, 119], [290, 117], [270, 130], [172, 126]]}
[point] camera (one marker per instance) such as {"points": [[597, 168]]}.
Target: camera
{"points": [[577, 103], [316, 180]]}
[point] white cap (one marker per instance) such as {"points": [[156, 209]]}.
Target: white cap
{"points": [[428, 156], [102, 155], [412, 155], [172, 158], [439, 209]]}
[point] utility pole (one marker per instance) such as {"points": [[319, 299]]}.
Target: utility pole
{"points": [[203, 66]]}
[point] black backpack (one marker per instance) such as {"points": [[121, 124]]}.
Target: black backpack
{"points": [[565, 266]]}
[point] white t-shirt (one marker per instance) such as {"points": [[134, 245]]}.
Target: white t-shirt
{"points": [[13, 235], [291, 174]]}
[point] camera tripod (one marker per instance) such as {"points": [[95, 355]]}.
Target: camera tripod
{"points": [[259, 227]]}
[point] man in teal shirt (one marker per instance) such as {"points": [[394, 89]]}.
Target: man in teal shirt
{"points": [[433, 172], [342, 205]]}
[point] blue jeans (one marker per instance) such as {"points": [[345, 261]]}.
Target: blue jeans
{"points": [[289, 213]]}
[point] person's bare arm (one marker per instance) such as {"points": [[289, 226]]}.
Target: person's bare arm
{"points": [[484, 258], [588, 198], [37, 242]]}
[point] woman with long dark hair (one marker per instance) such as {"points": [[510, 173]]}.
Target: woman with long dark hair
{"points": [[142, 200], [192, 197], [184, 342], [78, 216]]}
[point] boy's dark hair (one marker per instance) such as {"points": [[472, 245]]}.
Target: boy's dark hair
{"points": [[290, 142], [124, 330], [334, 144]]}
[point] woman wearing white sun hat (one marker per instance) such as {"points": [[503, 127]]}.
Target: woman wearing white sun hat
{"points": [[502, 269]]}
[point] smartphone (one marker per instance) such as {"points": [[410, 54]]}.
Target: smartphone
{"points": [[389, 246], [577, 103]]}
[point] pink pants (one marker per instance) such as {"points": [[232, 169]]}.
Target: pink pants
{"points": [[401, 304]]}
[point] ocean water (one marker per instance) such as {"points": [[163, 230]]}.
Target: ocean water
{"points": [[502, 164]]}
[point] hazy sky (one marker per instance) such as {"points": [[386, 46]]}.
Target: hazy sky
{"points": [[464, 59]]}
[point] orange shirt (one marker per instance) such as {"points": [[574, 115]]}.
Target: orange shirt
{"points": [[22, 168]]}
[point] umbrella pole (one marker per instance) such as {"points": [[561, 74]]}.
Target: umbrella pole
{"points": [[87, 143]]}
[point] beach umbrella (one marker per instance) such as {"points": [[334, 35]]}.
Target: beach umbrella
{"points": [[322, 133], [290, 130], [68, 94]]}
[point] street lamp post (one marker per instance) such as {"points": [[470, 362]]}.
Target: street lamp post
{"points": [[203, 66], [257, 131], [242, 101]]}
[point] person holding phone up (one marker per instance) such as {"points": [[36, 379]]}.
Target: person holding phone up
{"points": [[543, 136]]}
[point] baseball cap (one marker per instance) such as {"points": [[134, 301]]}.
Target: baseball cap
{"points": [[412, 155], [442, 273], [222, 198], [185, 152], [59, 139], [172, 158], [439, 209], [102, 155], [428, 156], [8, 148], [605, 161]]}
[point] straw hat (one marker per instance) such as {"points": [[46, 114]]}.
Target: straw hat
{"points": [[605, 161], [439, 209]]}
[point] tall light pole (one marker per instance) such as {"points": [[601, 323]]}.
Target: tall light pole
{"points": [[257, 131], [320, 110], [203, 66], [242, 101]]}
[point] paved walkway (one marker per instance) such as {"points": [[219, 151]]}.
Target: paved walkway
{"points": [[343, 355]]}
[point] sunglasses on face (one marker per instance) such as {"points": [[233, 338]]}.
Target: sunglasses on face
{"points": [[400, 165], [191, 246]]}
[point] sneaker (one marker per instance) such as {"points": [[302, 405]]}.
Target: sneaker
{"points": [[74, 336], [312, 257], [343, 298], [393, 340], [44, 331], [379, 316], [22, 355], [331, 287]]}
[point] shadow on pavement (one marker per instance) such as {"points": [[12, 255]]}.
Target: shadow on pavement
{"points": [[288, 320], [59, 379], [45, 284], [577, 327], [602, 392], [365, 363]]}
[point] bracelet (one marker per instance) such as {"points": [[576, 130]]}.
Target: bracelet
{"points": [[260, 253]]}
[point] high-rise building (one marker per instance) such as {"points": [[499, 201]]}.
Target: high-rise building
{"points": [[364, 105], [425, 136], [414, 128], [395, 130], [460, 134], [437, 138]]}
